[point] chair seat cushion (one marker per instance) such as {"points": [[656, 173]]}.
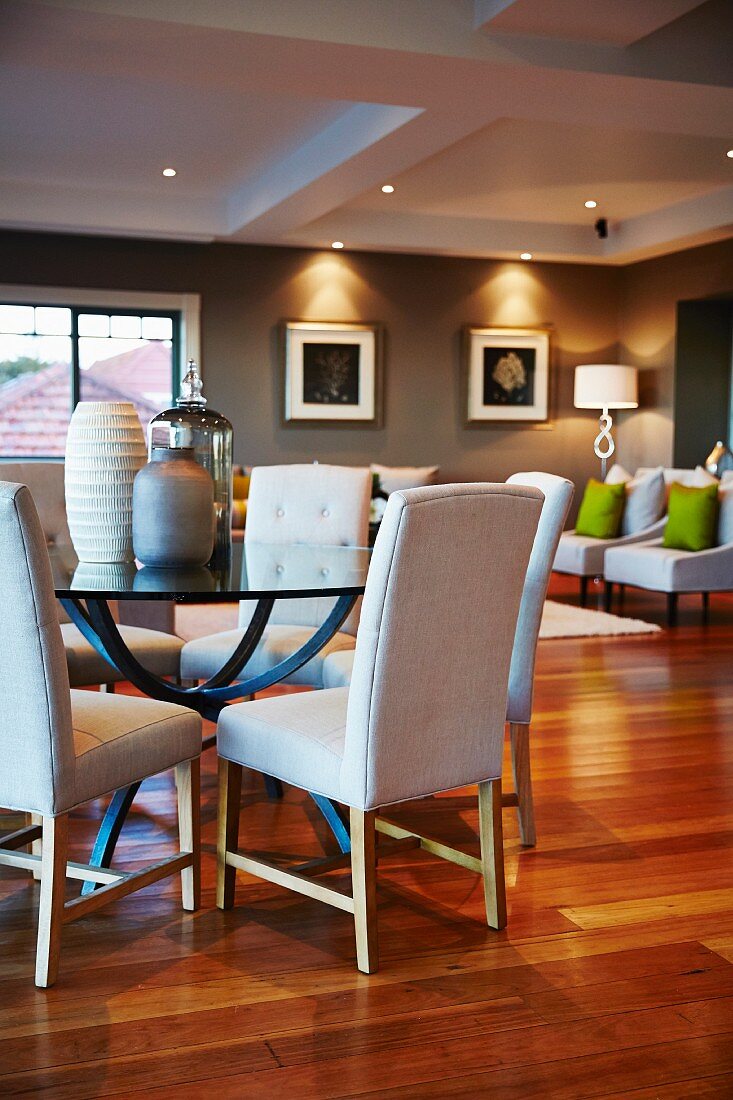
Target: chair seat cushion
{"points": [[580, 555], [297, 738], [651, 565], [337, 669], [156, 651], [120, 739], [202, 657]]}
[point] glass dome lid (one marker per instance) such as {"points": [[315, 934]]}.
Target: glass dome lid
{"points": [[189, 423]]}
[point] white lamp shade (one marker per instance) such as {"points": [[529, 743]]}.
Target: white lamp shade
{"points": [[606, 386]]}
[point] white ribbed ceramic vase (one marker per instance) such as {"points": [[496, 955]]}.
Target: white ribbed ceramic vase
{"points": [[105, 448]]}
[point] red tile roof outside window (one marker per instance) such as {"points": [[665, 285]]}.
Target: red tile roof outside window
{"points": [[35, 408]]}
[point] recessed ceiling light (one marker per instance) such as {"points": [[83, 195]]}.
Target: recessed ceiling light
{"points": [[387, 188], [730, 154], [169, 171], [590, 204], [525, 256], [337, 244]]}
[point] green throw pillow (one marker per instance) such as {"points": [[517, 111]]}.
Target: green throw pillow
{"points": [[601, 509], [692, 518]]}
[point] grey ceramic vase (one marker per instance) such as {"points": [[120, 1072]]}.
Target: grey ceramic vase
{"points": [[173, 510]]}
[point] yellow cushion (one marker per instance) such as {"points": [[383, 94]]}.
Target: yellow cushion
{"points": [[241, 486], [239, 514]]}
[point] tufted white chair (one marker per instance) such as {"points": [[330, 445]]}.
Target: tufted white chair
{"points": [[558, 494], [67, 747], [427, 704], [318, 505], [157, 651]]}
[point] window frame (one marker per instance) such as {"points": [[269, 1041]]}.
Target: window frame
{"points": [[183, 309]]}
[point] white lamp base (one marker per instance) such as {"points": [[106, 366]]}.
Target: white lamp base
{"points": [[605, 423]]}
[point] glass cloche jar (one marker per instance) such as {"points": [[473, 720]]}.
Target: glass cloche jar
{"points": [[191, 424]]}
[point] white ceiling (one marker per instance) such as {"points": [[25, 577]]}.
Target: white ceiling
{"points": [[494, 120]]}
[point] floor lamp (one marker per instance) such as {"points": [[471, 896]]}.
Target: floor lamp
{"points": [[605, 386]]}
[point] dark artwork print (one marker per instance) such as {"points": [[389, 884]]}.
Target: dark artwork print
{"points": [[331, 374], [509, 376]]}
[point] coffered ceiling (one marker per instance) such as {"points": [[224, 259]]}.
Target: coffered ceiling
{"points": [[494, 120]]}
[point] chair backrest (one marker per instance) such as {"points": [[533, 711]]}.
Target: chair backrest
{"points": [[36, 739], [427, 702], [46, 483], [313, 504], [558, 493]]}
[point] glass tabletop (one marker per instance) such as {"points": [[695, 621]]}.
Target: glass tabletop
{"points": [[252, 571]]}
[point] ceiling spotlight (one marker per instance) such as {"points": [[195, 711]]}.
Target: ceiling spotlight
{"points": [[730, 154], [388, 188], [169, 171], [337, 244], [525, 256], [590, 204]]}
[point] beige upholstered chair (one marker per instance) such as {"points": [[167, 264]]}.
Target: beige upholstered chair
{"points": [[316, 505], [558, 494], [426, 708], [62, 748], [157, 651]]}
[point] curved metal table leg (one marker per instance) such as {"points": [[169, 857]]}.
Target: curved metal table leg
{"points": [[97, 624], [110, 829], [336, 820]]}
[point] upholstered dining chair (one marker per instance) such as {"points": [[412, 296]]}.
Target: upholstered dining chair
{"points": [[427, 704], [558, 494], [61, 748], [157, 650], [318, 505]]}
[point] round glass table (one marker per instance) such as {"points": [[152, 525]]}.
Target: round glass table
{"points": [[257, 572]]}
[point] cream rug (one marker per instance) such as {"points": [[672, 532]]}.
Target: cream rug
{"points": [[559, 620], [562, 620]]}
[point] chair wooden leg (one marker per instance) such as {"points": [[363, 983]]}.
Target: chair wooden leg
{"points": [[51, 909], [364, 886], [519, 737], [230, 794], [36, 846], [188, 781], [492, 852]]}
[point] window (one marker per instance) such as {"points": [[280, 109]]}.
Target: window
{"points": [[52, 356]]}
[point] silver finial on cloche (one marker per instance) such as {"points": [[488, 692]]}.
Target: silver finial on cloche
{"points": [[191, 386]]}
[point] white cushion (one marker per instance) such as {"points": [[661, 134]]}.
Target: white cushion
{"points": [[645, 501], [725, 518], [701, 478], [299, 738], [203, 657], [580, 555], [392, 478], [727, 478], [617, 475]]}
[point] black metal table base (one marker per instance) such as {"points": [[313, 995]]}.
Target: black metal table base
{"points": [[97, 624]]}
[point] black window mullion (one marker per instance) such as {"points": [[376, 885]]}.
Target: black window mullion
{"points": [[75, 376]]}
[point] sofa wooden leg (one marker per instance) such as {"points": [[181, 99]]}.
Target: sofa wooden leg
{"points": [[607, 595], [705, 607], [671, 609], [583, 591]]}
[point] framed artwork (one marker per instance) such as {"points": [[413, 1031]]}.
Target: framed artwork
{"points": [[332, 373], [507, 375]]}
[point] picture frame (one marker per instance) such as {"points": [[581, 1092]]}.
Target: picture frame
{"points": [[507, 376], [332, 374]]}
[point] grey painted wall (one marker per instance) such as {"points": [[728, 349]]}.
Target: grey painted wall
{"points": [[599, 314]]}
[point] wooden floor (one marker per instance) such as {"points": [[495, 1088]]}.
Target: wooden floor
{"points": [[613, 979]]}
